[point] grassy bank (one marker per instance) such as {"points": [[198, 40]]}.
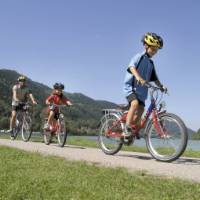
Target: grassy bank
{"points": [[32, 176]]}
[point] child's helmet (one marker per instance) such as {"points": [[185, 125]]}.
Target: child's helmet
{"points": [[21, 79], [152, 39], [58, 86]]}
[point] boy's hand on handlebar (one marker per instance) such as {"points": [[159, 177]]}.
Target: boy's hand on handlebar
{"points": [[140, 81], [163, 89]]}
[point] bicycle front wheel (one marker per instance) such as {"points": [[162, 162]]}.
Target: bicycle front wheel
{"points": [[47, 134], [61, 133], [16, 129], [109, 127], [171, 142], [47, 137], [26, 128]]}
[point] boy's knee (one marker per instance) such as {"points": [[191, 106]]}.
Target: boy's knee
{"points": [[135, 104]]}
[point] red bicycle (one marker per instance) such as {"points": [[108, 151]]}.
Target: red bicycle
{"points": [[57, 129], [165, 133]]}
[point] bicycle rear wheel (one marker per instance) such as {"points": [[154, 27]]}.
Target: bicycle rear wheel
{"points": [[61, 132], [26, 128], [171, 144], [16, 130], [110, 145]]}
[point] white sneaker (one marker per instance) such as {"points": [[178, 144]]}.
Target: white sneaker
{"points": [[10, 131], [127, 131]]}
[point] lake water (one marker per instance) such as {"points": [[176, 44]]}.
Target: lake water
{"points": [[192, 144]]}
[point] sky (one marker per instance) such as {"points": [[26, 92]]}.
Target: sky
{"points": [[87, 45]]}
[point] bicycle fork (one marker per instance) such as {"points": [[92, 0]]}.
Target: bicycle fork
{"points": [[158, 125]]}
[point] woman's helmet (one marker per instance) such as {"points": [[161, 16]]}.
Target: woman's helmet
{"points": [[21, 79], [152, 39], [58, 86]]}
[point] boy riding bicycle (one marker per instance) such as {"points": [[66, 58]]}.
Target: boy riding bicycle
{"points": [[141, 70], [56, 98], [20, 97]]}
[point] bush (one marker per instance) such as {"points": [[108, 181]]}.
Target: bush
{"points": [[4, 123]]}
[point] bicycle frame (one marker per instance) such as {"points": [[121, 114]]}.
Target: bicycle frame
{"points": [[21, 113], [21, 123], [58, 128], [55, 124], [151, 110]]}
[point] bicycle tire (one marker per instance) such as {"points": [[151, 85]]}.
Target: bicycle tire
{"points": [[177, 140], [16, 131], [47, 136], [61, 132], [109, 145], [26, 128], [17, 127]]}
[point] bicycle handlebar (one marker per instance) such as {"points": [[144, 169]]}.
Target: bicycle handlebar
{"points": [[60, 106], [149, 85]]}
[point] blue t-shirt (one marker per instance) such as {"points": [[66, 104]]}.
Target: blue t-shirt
{"points": [[146, 70]]}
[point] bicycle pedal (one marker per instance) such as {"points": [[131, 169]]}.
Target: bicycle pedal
{"points": [[128, 140], [137, 136]]}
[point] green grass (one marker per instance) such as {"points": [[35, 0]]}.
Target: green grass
{"points": [[32, 176]]}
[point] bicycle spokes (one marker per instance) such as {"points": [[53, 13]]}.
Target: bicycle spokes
{"points": [[110, 136], [170, 141], [61, 132], [26, 128]]}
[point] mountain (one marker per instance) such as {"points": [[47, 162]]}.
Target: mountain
{"points": [[191, 133], [82, 118]]}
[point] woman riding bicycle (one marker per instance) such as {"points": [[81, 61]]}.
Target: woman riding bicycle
{"points": [[56, 98]]}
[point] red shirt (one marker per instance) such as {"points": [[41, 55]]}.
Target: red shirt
{"points": [[58, 100]]}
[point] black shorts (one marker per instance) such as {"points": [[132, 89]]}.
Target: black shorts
{"points": [[56, 113], [17, 108], [133, 97], [56, 116]]}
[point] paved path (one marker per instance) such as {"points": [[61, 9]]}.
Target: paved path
{"points": [[184, 168]]}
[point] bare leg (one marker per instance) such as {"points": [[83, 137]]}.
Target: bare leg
{"points": [[51, 117], [137, 117], [131, 112]]}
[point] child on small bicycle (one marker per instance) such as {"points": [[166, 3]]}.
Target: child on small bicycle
{"points": [[141, 70], [56, 98]]}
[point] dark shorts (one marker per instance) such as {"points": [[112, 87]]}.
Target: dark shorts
{"points": [[56, 116], [17, 108], [56, 113], [133, 97]]}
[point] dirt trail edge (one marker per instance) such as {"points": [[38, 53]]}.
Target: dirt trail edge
{"points": [[184, 168]]}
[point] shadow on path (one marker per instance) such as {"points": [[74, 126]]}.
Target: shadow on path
{"points": [[142, 157]]}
